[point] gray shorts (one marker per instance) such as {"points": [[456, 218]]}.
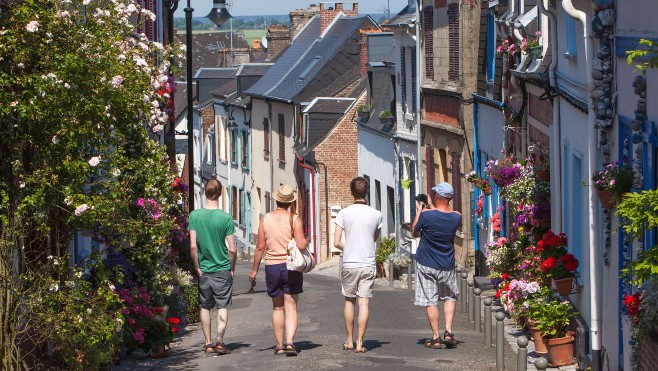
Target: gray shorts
{"points": [[216, 290], [358, 282], [433, 285]]}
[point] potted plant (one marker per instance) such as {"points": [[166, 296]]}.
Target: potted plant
{"points": [[612, 183], [386, 118], [386, 248], [532, 47], [363, 112], [507, 47], [533, 304], [503, 172], [557, 264], [480, 183], [406, 183], [400, 264], [552, 318]]}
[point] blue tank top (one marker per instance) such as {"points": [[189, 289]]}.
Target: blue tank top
{"points": [[437, 239]]}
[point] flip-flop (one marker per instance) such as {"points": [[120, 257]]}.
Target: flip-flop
{"points": [[279, 350], [363, 350], [221, 348], [433, 343], [346, 348], [290, 350], [209, 349]]}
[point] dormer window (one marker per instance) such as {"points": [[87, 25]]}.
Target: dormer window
{"points": [[310, 67]]}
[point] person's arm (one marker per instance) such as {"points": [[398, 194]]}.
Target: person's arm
{"points": [[300, 238], [419, 210], [338, 236], [378, 232], [195, 253], [233, 252], [260, 250]]}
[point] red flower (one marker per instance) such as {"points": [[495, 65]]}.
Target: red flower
{"points": [[173, 320], [570, 262], [498, 293], [159, 310], [506, 287], [174, 329], [540, 246], [633, 303], [505, 276], [548, 264]]}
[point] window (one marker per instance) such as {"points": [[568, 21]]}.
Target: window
{"points": [[428, 24], [429, 167], [309, 68], [225, 139], [207, 151], [453, 42], [246, 148], [570, 26], [577, 206], [234, 146], [403, 79], [268, 202], [456, 182], [367, 178], [491, 47], [266, 138], [282, 138], [241, 218], [413, 79], [234, 203], [219, 121], [378, 195]]}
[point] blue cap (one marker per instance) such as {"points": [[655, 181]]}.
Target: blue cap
{"points": [[444, 190]]}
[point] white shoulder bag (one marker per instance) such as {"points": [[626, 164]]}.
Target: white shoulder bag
{"points": [[298, 260]]}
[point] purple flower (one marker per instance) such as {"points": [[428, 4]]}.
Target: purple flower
{"points": [[140, 202]]}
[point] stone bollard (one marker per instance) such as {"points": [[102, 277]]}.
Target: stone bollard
{"points": [[541, 363], [410, 276], [462, 291], [391, 268], [487, 323], [500, 341], [471, 300], [458, 273], [522, 361], [478, 308]]}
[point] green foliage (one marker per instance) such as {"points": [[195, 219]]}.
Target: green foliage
{"points": [[614, 178], [385, 114], [650, 53], [191, 295], [551, 316], [639, 213], [386, 248], [363, 108]]}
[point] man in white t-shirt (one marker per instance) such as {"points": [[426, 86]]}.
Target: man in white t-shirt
{"points": [[362, 225]]}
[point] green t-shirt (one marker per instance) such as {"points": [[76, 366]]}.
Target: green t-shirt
{"points": [[212, 226]]}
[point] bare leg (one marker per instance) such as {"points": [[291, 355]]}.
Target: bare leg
{"points": [[290, 304], [278, 317], [449, 312], [204, 316], [348, 313], [433, 319], [222, 321], [363, 323]]}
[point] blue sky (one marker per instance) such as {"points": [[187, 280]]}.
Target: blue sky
{"points": [[279, 7]]}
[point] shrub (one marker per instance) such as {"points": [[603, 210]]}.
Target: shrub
{"points": [[386, 248]]}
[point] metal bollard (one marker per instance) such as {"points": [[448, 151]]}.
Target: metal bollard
{"points": [[541, 363], [390, 273], [462, 290], [471, 300], [478, 308], [500, 341], [522, 361], [487, 323]]}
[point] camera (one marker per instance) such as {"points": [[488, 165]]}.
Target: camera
{"points": [[422, 198]]}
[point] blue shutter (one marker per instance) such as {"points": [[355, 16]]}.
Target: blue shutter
{"points": [[403, 79], [248, 152], [412, 189], [247, 230], [570, 26], [414, 104], [649, 163]]}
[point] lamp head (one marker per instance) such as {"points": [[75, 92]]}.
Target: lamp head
{"points": [[231, 124], [219, 14]]}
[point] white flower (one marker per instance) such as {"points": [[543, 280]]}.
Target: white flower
{"points": [[89, 310], [131, 8], [111, 286], [54, 287], [122, 57], [81, 209], [62, 14], [86, 2], [13, 104], [68, 201], [155, 104], [116, 81], [79, 319], [94, 161], [21, 65], [116, 172], [33, 26], [66, 85], [141, 62], [21, 185], [157, 128]]}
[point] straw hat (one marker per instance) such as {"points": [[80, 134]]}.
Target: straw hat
{"points": [[285, 194]]}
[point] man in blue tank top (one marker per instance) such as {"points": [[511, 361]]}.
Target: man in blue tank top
{"points": [[436, 279]]}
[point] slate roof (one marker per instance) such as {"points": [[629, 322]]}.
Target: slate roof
{"points": [[206, 48], [180, 97], [405, 17], [226, 88], [253, 69], [323, 115], [314, 66], [210, 79], [214, 73]]}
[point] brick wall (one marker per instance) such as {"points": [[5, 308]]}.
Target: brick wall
{"points": [[339, 152], [327, 15], [207, 118], [278, 39], [648, 353], [441, 109], [300, 17]]}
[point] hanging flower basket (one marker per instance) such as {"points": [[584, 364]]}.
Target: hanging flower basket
{"points": [[535, 52], [564, 285], [406, 183], [607, 201]]}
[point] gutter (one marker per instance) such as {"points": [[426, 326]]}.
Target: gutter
{"points": [[419, 138], [314, 236], [592, 156]]}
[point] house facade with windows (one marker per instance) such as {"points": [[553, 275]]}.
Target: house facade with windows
{"points": [[322, 61]]}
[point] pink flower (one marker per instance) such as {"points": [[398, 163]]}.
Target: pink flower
{"points": [[33, 26], [137, 309], [148, 313], [140, 203], [81, 209], [132, 321], [116, 81], [139, 338], [125, 311]]}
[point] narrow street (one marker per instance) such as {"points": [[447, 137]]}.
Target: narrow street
{"points": [[395, 334]]}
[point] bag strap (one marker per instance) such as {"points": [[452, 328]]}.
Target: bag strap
{"points": [[292, 227]]}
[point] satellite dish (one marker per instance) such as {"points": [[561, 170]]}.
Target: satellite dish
{"points": [[263, 42]]}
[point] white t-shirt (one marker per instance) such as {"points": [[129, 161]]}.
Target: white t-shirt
{"points": [[359, 222]]}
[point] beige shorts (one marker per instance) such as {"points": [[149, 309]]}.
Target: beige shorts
{"points": [[358, 282]]}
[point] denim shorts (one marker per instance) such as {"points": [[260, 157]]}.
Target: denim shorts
{"points": [[281, 281], [216, 290]]}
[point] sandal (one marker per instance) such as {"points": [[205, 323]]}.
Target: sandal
{"points": [[279, 350], [345, 347], [449, 340], [209, 349], [221, 348], [363, 350], [434, 343], [290, 350]]}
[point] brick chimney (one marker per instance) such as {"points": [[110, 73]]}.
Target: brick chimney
{"points": [[278, 39], [363, 44], [300, 17], [328, 12]]}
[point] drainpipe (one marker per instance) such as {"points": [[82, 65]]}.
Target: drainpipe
{"points": [[595, 316], [396, 197], [419, 145], [326, 206], [476, 165], [556, 132], [314, 236], [515, 13], [271, 157]]}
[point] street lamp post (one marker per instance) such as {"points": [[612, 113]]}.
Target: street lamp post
{"points": [[218, 15]]}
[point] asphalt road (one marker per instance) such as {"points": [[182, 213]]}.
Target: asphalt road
{"points": [[394, 338]]}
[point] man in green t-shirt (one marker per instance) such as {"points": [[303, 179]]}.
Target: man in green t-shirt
{"points": [[211, 230]]}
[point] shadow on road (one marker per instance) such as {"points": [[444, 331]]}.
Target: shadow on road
{"points": [[374, 344]]}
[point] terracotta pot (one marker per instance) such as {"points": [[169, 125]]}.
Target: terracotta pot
{"points": [[564, 285], [560, 351], [544, 175], [540, 345], [606, 199]]}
